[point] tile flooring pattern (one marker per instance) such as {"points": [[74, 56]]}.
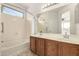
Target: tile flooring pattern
{"points": [[27, 52]]}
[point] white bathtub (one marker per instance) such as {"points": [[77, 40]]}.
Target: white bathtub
{"points": [[13, 49]]}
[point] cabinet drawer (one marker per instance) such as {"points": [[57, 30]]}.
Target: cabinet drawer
{"points": [[51, 48], [40, 46]]}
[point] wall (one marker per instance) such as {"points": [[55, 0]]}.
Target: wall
{"points": [[30, 25], [77, 18]]}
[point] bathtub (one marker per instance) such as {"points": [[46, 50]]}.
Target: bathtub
{"points": [[13, 49]]}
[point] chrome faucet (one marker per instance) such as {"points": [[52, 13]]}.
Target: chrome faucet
{"points": [[66, 35], [41, 32]]}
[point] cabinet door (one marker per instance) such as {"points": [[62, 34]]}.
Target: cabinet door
{"points": [[66, 49], [32, 44], [40, 46], [51, 48]]}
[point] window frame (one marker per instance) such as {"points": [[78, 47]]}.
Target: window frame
{"points": [[2, 7]]}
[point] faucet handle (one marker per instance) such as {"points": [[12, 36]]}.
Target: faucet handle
{"points": [[2, 41]]}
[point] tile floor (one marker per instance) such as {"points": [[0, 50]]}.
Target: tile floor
{"points": [[27, 52]]}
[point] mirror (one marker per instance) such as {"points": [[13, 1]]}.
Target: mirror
{"points": [[59, 20], [48, 22]]}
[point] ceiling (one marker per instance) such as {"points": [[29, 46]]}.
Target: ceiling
{"points": [[34, 8]]}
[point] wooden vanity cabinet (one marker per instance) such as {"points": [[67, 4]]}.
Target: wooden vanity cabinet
{"points": [[32, 44], [51, 48], [67, 49], [40, 46]]}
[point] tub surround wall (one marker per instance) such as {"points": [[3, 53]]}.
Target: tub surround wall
{"points": [[13, 36], [0, 30], [16, 50], [24, 19], [13, 28], [15, 32]]}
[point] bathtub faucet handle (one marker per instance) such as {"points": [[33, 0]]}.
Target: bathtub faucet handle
{"points": [[2, 41]]}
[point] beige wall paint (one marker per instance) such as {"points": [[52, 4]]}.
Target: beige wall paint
{"points": [[29, 25]]}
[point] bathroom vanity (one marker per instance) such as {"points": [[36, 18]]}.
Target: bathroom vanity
{"points": [[54, 45]]}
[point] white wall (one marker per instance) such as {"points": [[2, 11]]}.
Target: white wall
{"points": [[77, 19], [29, 24]]}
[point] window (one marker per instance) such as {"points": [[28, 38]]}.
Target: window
{"points": [[66, 23], [0, 8], [11, 11]]}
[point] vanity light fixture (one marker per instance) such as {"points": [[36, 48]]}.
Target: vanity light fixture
{"points": [[48, 5]]}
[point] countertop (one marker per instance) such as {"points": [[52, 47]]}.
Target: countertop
{"points": [[74, 39]]}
